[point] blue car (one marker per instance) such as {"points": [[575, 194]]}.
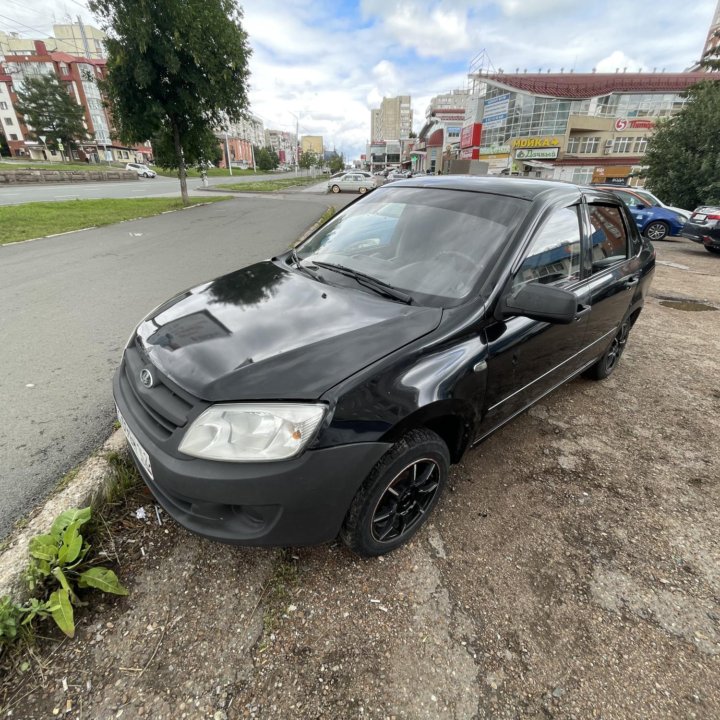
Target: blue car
{"points": [[653, 221]]}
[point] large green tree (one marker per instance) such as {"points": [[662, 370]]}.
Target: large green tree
{"points": [[266, 158], [177, 70], [308, 159], [51, 111], [683, 155]]}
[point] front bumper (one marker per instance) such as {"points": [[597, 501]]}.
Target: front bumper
{"points": [[301, 501]]}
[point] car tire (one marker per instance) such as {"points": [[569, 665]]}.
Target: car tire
{"points": [[362, 190], [606, 365], [713, 250], [398, 495], [336, 188], [657, 230]]}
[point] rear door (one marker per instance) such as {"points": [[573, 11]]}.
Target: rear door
{"points": [[612, 261]]}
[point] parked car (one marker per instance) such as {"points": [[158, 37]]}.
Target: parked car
{"points": [[325, 392], [655, 221], [399, 175], [141, 170], [352, 182], [704, 227]]}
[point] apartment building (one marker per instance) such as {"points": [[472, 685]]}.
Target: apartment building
{"points": [[392, 120]]}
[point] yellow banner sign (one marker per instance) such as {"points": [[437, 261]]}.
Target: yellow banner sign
{"points": [[536, 142]]}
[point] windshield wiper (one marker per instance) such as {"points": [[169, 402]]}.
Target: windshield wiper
{"points": [[296, 259], [368, 281]]}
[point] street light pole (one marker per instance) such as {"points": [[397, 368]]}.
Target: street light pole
{"points": [[227, 153], [297, 141]]}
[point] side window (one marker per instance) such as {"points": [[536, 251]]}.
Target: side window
{"points": [[609, 237], [554, 254]]}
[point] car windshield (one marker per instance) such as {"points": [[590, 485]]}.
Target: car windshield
{"points": [[434, 244]]}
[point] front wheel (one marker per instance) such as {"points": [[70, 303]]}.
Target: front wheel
{"points": [[145, 175], [362, 190], [713, 250], [398, 495], [606, 365], [657, 230], [336, 188]]}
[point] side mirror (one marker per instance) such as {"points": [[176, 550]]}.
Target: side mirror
{"points": [[542, 302], [640, 206]]}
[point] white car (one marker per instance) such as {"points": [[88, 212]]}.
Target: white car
{"points": [[141, 170], [352, 182]]}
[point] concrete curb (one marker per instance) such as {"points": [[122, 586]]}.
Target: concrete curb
{"points": [[86, 488]]}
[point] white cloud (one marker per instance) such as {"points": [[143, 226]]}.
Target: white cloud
{"points": [[329, 63]]}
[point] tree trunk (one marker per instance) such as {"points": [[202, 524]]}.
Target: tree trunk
{"points": [[182, 173]]}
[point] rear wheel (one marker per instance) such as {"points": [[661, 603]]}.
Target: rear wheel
{"points": [[336, 188], [606, 365], [398, 495], [657, 230], [713, 250]]}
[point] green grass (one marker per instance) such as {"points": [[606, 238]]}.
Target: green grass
{"points": [[268, 185], [31, 220], [5, 166], [212, 172]]}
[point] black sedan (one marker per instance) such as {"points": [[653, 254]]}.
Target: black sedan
{"points": [[704, 227], [325, 392]]}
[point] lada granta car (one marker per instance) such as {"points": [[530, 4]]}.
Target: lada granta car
{"points": [[326, 391]]}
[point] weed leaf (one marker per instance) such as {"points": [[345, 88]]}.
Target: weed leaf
{"points": [[102, 579]]}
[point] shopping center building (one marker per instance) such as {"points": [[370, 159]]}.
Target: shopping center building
{"points": [[580, 127]]}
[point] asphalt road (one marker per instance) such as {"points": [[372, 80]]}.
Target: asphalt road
{"points": [[143, 187], [69, 304]]}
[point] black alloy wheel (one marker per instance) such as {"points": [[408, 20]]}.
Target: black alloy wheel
{"points": [[398, 495], [713, 250], [405, 500], [657, 230], [606, 365]]}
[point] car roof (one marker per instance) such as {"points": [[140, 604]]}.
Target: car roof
{"points": [[522, 188]]}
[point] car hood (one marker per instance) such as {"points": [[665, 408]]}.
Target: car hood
{"points": [[270, 332]]}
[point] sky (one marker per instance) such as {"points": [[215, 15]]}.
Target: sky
{"points": [[323, 64]]}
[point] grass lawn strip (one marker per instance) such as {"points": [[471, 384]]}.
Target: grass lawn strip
{"points": [[32, 220], [268, 185]]}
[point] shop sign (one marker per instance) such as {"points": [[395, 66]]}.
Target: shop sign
{"points": [[494, 121], [495, 150], [470, 154], [630, 124], [536, 142], [470, 135], [449, 117], [497, 105], [537, 154]]}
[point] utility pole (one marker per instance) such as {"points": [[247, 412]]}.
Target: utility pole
{"points": [[227, 153]]}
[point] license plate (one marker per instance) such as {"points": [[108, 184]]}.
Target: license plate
{"points": [[137, 448], [699, 216]]}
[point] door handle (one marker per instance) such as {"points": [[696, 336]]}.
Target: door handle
{"points": [[582, 311], [632, 281]]}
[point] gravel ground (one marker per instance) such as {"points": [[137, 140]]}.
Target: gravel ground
{"points": [[571, 571]]}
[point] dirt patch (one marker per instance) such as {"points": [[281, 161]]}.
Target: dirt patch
{"points": [[572, 571]]}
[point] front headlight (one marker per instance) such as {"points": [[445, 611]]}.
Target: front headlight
{"points": [[252, 432]]}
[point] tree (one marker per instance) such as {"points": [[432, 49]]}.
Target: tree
{"points": [[266, 158], [683, 155], [51, 111], [177, 70], [337, 162], [308, 159]]}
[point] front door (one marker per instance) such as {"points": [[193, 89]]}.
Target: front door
{"points": [[527, 358]]}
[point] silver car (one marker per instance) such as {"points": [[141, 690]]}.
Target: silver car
{"points": [[141, 169], [352, 182]]}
